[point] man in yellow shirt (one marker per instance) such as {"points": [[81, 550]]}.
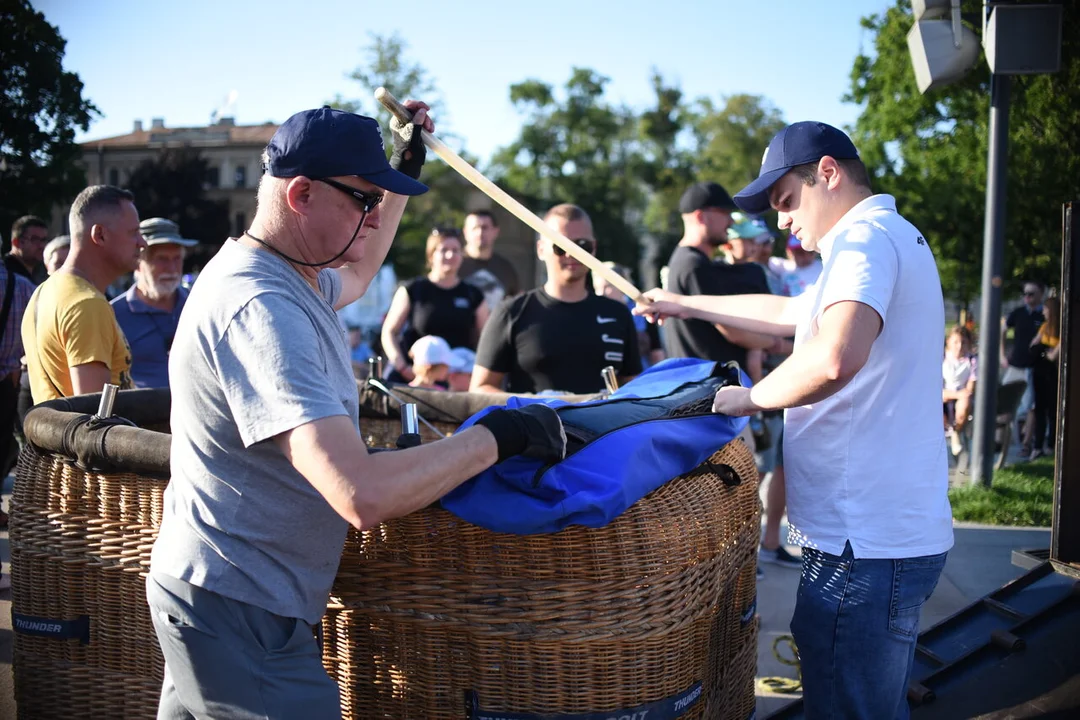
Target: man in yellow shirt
{"points": [[73, 343]]}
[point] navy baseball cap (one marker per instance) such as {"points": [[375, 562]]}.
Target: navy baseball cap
{"points": [[797, 144], [326, 143]]}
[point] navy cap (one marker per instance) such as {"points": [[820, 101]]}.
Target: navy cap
{"points": [[797, 144], [705, 195], [327, 143]]}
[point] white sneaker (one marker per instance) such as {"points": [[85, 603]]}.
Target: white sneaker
{"points": [[956, 444], [5, 582]]}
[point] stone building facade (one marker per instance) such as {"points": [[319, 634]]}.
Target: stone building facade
{"points": [[232, 151]]}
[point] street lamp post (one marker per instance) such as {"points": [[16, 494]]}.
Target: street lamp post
{"points": [[1018, 39], [993, 259]]}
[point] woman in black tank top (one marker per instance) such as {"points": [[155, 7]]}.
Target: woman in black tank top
{"points": [[439, 304]]}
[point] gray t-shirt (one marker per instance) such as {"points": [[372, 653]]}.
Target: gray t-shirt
{"points": [[257, 352]]}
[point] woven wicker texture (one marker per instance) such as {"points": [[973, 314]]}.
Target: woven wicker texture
{"points": [[427, 607], [424, 608], [80, 545]]}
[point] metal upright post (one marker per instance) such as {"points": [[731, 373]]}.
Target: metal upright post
{"points": [[990, 313], [1065, 527]]}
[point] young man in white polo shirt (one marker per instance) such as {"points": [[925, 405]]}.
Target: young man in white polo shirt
{"points": [[867, 472]]}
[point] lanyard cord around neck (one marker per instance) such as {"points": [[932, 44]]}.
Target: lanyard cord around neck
{"points": [[294, 261]]}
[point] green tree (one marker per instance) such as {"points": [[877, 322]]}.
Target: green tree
{"points": [[387, 65], [685, 142], [731, 139], [41, 105], [666, 169], [581, 150], [173, 185], [930, 151]]}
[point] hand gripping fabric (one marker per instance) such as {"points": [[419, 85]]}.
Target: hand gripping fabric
{"points": [[619, 449]]}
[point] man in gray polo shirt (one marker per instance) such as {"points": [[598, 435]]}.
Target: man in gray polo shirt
{"points": [[268, 466]]}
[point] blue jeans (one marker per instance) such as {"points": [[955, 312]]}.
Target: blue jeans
{"points": [[856, 623]]}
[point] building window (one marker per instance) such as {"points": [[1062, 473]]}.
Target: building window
{"points": [[241, 224], [213, 177], [241, 176], [114, 176]]}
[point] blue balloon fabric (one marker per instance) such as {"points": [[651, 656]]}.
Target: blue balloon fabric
{"points": [[633, 447]]}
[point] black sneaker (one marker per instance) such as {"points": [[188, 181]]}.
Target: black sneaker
{"points": [[779, 556]]}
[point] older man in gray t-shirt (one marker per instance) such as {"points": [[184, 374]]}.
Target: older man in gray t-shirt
{"points": [[257, 353], [268, 467]]}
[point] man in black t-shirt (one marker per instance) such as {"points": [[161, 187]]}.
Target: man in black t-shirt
{"points": [[706, 212], [482, 266], [558, 337], [1025, 322]]}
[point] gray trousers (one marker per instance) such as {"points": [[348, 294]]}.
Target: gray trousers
{"points": [[225, 659]]}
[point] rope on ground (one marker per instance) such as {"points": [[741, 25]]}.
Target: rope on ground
{"points": [[783, 685]]}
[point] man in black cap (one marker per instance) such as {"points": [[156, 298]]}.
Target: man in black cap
{"points": [[706, 211], [867, 475], [268, 469]]}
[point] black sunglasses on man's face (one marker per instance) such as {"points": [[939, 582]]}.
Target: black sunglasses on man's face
{"points": [[367, 201], [585, 244]]}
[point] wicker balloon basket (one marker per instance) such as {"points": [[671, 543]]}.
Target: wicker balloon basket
{"points": [[430, 617], [80, 546]]}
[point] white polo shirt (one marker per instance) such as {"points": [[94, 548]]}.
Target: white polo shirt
{"points": [[868, 465]]}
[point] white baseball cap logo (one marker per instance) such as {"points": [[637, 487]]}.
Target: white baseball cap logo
{"points": [[764, 156]]}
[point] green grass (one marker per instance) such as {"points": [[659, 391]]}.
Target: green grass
{"points": [[1021, 494]]}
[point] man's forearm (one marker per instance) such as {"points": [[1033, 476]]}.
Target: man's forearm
{"points": [[746, 338], [486, 388], [408, 480], [826, 362], [763, 314], [809, 375]]}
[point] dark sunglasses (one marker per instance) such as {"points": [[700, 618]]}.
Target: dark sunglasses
{"points": [[367, 201], [585, 244], [1029, 294]]}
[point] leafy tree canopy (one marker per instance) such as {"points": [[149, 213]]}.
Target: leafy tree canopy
{"points": [[41, 106], [930, 151], [387, 65]]}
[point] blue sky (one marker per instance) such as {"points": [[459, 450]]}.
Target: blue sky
{"points": [[180, 60]]}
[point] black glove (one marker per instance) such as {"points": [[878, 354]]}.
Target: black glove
{"points": [[409, 151], [534, 431]]}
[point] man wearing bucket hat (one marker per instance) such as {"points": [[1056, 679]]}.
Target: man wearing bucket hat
{"points": [[149, 311], [867, 477], [268, 468]]}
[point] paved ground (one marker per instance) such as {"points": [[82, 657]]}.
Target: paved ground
{"points": [[980, 563]]}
